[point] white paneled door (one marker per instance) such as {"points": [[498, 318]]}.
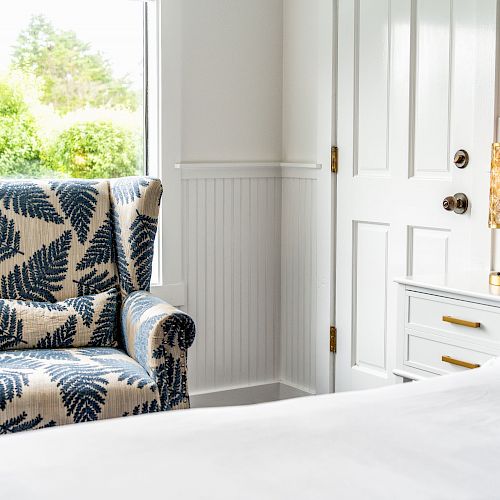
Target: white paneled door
{"points": [[416, 84]]}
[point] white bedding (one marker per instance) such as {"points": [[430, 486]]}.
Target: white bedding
{"points": [[433, 439]]}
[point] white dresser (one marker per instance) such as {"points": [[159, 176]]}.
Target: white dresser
{"points": [[445, 327]]}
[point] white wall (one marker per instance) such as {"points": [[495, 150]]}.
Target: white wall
{"points": [[245, 92], [298, 283], [300, 84], [231, 61], [299, 198], [308, 118], [230, 80], [221, 73]]}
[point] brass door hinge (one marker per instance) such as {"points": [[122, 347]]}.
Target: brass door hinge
{"points": [[335, 159], [333, 339]]}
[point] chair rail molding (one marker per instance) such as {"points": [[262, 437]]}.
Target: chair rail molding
{"points": [[247, 169]]}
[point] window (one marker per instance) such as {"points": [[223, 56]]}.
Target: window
{"points": [[73, 88]]}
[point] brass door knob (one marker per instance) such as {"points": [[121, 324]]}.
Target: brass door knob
{"points": [[459, 203], [461, 159]]}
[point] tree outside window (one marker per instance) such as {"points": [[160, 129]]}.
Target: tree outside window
{"points": [[64, 112]]}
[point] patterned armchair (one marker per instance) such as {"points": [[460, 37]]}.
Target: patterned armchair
{"points": [[81, 337]]}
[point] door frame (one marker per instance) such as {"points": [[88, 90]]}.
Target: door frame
{"points": [[326, 193]]}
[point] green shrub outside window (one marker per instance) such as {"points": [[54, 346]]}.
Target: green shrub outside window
{"points": [[63, 113]]}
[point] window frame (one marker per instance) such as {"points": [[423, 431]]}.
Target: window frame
{"points": [[151, 117], [164, 142]]}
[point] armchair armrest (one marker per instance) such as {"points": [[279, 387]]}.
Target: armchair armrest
{"points": [[157, 336]]}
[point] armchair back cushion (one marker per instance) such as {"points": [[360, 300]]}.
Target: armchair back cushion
{"points": [[64, 239]]}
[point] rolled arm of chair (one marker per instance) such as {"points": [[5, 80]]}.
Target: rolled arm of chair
{"points": [[157, 336]]}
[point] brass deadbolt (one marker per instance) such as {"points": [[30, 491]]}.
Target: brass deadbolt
{"points": [[459, 203], [461, 159]]}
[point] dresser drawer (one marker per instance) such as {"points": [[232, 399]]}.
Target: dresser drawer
{"points": [[427, 311], [426, 354]]}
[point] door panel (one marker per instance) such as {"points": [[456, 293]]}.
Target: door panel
{"points": [[373, 36], [428, 251], [432, 88], [411, 84], [370, 252]]}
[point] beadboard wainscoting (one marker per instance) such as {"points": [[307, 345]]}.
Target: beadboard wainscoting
{"points": [[249, 240], [298, 283]]}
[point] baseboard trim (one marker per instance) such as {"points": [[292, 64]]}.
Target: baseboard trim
{"points": [[262, 393]]}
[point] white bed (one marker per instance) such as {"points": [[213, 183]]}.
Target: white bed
{"points": [[433, 439]]}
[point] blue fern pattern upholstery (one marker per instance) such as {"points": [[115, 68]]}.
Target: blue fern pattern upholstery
{"points": [[84, 321], [62, 244], [62, 386], [157, 336]]}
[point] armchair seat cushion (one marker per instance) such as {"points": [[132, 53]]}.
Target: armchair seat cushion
{"points": [[46, 387]]}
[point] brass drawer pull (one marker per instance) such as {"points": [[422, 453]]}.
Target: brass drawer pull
{"points": [[458, 362], [462, 322]]}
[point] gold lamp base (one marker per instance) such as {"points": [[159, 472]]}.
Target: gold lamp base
{"points": [[495, 278]]}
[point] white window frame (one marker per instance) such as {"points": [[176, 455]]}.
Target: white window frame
{"points": [[163, 142]]}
